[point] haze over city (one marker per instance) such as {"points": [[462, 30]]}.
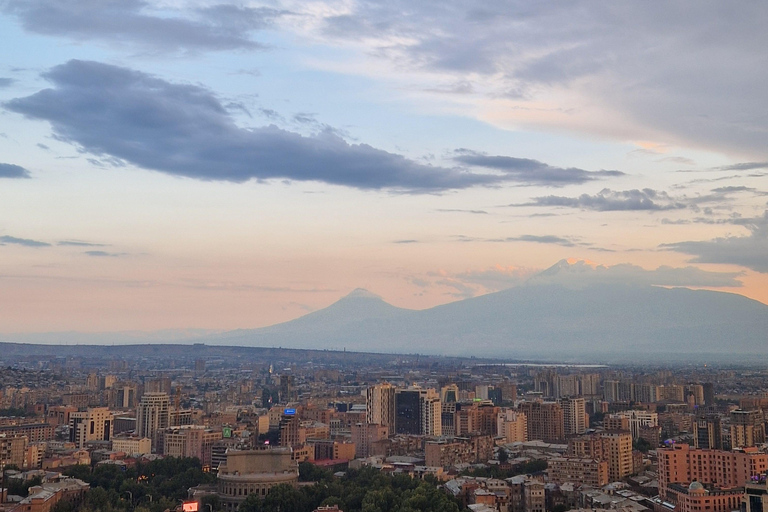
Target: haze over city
{"points": [[212, 165]]}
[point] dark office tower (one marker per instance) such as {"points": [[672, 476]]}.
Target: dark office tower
{"points": [[408, 412], [200, 366], [709, 394], [707, 432], [287, 391], [495, 396]]}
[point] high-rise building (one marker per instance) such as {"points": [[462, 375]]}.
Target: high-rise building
{"points": [[747, 428], [152, 414], [707, 432], [545, 420], [611, 390], [512, 425], [380, 405], [709, 394], [418, 412], [635, 421], [617, 447], [574, 415]]}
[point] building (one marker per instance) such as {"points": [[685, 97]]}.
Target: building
{"points": [[418, 412], [364, 435], [696, 498], [132, 445], [189, 441], [13, 450], [617, 451], [44, 497], [574, 415], [747, 428], [755, 496], [459, 450], [153, 415], [35, 432], [545, 420], [632, 420], [94, 424], [254, 472], [591, 472], [708, 432], [380, 405], [614, 447], [512, 426], [681, 464]]}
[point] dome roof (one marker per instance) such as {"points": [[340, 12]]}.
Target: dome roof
{"points": [[696, 486]]}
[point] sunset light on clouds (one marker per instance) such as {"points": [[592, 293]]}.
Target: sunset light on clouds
{"points": [[215, 165]]}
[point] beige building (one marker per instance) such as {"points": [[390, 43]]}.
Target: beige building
{"points": [[189, 441], [94, 424], [153, 415], [13, 450], [132, 445], [578, 470], [512, 426], [254, 472]]}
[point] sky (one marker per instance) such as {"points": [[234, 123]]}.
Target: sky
{"points": [[215, 165]]}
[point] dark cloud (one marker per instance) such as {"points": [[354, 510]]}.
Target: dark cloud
{"points": [[6, 82], [744, 166], [78, 243], [613, 200], [13, 171], [530, 171], [219, 27], [26, 242], [459, 210], [408, 241], [746, 251], [543, 239], [184, 130], [104, 254]]}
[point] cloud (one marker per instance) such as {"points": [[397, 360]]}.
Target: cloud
{"points": [[630, 70], [530, 171], [744, 166], [6, 82], [544, 239], [579, 273], [26, 242], [747, 251], [408, 241], [184, 130], [459, 210], [104, 254], [609, 200], [13, 171], [78, 243], [217, 27]]}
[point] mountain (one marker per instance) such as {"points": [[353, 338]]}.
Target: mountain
{"points": [[574, 311], [544, 319]]}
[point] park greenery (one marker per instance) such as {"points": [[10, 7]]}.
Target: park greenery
{"points": [[162, 484]]}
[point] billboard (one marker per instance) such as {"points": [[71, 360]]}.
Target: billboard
{"points": [[189, 506], [289, 412]]}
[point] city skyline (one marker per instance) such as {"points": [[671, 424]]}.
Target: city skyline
{"points": [[214, 165]]}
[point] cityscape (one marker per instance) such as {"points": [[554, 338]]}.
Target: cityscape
{"points": [[486, 434], [383, 256]]}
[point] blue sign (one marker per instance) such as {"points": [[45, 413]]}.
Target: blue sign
{"points": [[289, 412]]}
